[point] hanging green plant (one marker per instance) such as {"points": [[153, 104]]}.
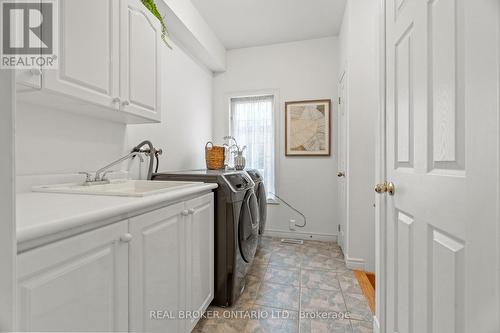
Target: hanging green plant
{"points": [[151, 6]]}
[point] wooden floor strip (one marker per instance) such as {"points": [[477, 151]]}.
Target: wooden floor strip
{"points": [[367, 287], [371, 277]]}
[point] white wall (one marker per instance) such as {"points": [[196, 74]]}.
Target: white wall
{"points": [[359, 58], [56, 142], [187, 117], [298, 71]]}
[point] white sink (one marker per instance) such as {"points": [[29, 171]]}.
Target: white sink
{"points": [[124, 188]]}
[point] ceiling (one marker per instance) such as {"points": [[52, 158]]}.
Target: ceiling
{"points": [[246, 23]]}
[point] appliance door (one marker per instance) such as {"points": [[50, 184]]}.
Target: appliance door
{"points": [[262, 200], [248, 227]]}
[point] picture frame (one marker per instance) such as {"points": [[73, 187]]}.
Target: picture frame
{"points": [[308, 128]]}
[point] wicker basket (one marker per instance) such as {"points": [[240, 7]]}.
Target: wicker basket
{"points": [[214, 155]]}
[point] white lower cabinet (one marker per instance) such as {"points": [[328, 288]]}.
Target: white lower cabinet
{"points": [[77, 284], [200, 251], [172, 266], [152, 273], [158, 270]]}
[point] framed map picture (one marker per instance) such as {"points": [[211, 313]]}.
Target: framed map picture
{"points": [[307, 128]]}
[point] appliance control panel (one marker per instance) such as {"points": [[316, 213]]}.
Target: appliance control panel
{"points": [[255, 175], [239, 181]]}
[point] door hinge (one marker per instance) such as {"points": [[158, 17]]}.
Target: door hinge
{"points": [[339, 100], [338, 227]]}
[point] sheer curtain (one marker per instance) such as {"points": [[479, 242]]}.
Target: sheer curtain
{"points": [[252, 124]]}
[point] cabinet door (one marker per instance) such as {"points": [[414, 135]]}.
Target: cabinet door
{"points": [[200, 252], [157, 270], [77, 284], [89, 46], [140, 74]]}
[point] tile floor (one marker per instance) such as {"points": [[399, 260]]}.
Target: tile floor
{"points": [[287, 284]]}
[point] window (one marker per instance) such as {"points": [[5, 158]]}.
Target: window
{"points": [[252, 124]]}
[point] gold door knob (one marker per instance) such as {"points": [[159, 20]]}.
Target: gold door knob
{"points": [[341, 174], [385, 188], [391, 189], [380, 188]]}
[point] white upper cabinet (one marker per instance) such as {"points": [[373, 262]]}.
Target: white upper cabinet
{"points": [[140, 74], [77, 284], [88, 59], [109, 63]]}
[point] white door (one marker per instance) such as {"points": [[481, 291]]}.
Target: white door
{"points": [[157, 270], [442, 156], [342, 163], [78, 284], [200, 254], [140, 60], [89, 46]]}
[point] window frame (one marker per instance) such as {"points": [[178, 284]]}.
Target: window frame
{"points": [[277, 127]]}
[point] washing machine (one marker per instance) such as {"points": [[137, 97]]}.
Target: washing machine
{"points": [[236, 229], [261, 193]]}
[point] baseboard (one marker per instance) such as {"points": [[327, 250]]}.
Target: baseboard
{"points": [[301, 235], [376, 325], [354, 263]]}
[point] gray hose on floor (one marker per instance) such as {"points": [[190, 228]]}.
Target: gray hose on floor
{"points": [[151, 155], [292, 208]]}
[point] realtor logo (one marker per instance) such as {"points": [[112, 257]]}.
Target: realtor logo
{"points": [[29, 34]]}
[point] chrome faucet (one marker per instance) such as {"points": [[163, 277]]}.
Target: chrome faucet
{"points": [[100, 175]]}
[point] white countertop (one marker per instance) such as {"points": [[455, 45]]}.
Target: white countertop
{"points": [[44, 217]]}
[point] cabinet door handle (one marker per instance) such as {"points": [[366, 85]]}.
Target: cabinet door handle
{"points": [[185, 212], [125, 103], [126, 238], [192, 211]]}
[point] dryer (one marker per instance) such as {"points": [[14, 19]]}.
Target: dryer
{"points": [[261, 193], [236, 227]]}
